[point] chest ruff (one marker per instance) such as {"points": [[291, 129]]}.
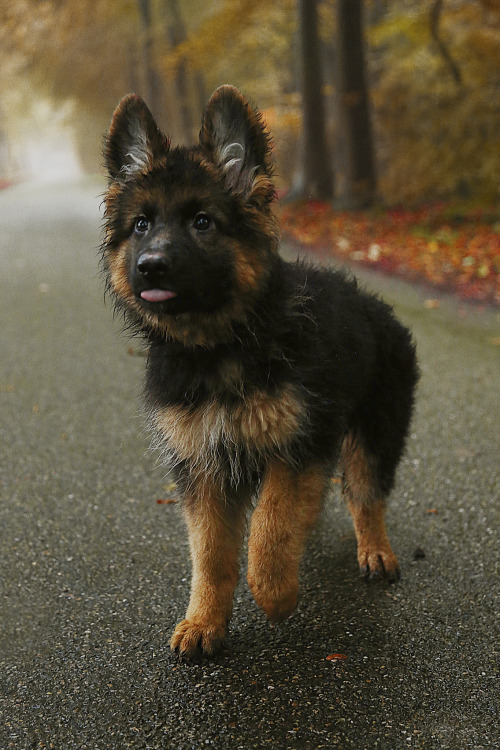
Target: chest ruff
{"points": [[229, 441]]}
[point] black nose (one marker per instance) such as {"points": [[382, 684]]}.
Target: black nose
{"points": [[151, 265]]}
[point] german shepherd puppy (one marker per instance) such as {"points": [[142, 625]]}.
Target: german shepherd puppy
{"points": [[262, 375]]}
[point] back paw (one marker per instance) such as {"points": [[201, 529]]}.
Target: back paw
{"points": [[375, 556], [378, 561]]}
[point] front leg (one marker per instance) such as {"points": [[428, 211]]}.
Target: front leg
{"points": [[287, 509], [215, 531]]}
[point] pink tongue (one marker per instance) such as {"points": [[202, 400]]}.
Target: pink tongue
{"points": [[157, 295]]}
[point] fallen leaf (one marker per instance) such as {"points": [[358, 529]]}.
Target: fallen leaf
{"points": [[170, 487], [413, 243], [483, 271], [336, 657], [432, 304], [432, 511], [374, 252]]}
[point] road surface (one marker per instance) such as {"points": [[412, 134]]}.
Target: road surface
{"points": [[95, 572]]}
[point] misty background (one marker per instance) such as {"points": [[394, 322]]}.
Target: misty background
{"points": [[388, 100]]}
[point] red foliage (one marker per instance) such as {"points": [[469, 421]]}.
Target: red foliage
{"points": [[457, 252]]}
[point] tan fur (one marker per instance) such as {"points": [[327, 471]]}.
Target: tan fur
{"points": [[215, 541], [259, 422], [375, 555], [358, 473], [248, 271], [119, 275], [262, 187], [287, 509], [367, 509]]}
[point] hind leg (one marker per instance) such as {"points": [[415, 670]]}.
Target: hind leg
{"points": [[366, 504]]}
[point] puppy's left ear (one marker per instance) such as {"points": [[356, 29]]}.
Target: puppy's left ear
{"points": [[234, 137]]}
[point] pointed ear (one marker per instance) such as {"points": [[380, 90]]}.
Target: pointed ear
{"points": [[234, 137], [134, 141]]}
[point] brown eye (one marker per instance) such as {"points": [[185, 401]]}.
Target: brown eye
{"points": [[202, 222], [141, 224]]}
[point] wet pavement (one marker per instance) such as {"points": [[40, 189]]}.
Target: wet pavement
{"points": [[94, 572]]}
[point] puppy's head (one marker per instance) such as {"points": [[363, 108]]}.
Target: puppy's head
{"points": [[189, 234]]}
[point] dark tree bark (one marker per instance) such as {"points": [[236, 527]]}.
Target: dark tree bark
{"points": [[152, 90], [318, 178], [176, 35], [354, 107], [451, 64], [201, 93]]}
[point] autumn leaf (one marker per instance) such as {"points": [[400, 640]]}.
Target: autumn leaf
{"points": [[417, 244]]}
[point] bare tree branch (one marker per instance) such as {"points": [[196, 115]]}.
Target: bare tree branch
{"points": [[435, 18]]}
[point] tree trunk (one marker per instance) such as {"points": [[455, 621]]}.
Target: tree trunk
{"points": [[176, 35], [318, 179], [201, 95], [354, 107], [151, 92]]}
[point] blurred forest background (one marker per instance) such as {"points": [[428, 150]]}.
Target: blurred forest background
{"points": [[377, 103]]}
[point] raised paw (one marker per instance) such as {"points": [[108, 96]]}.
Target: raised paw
{"points": [[379, 563], [278, 603], [191, 639]]}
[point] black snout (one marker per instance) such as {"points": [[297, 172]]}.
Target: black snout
{"points": [[152, 265]]}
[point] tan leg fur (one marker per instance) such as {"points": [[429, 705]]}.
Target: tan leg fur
{"points": [[215, 538], [367, 509], [287, 509]]}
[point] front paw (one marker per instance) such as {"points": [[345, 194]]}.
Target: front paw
{"points": [[277, 602], [195, 638]]}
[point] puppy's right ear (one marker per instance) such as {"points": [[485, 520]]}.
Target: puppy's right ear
{"points": [[134, 142]]}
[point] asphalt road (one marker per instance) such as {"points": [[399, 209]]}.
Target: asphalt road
{"points": [[95, 573]]}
